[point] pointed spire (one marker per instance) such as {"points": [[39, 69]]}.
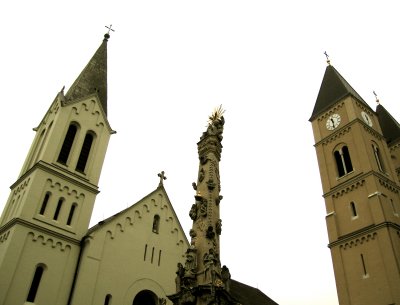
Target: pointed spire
{"points": [[93, 78], [333, 88], [390, 127]]}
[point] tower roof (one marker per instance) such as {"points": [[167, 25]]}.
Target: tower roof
{"points": [[93, 78], [390, 127], [333, 88]]}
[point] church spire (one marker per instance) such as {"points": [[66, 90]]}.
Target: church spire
{"points": [[93, 78], [333, 88]]}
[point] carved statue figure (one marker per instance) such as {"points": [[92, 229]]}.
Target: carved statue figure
{"points": [[179, 276], [190, 264], [218, 226], [193, 212], [210, 232]]}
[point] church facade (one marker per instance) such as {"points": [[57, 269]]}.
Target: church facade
{"points": [[358, 152], [48, 253]]}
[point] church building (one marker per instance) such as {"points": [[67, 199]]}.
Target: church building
{"points": [[358, 152], [141, 255]]}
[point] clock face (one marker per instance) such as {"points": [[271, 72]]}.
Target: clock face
{"points": [[366, 118], [333, 121]]}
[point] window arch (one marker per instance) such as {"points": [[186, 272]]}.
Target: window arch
{"points": [[353, 209], [37, 277], [85, 151], [343, 161], [44, 203], [156, 224], [71, 214], [378, 157], [58, 208], [107, 300], [67, 144]]}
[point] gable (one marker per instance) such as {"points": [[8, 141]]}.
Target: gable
{"points": [[127, 247]]}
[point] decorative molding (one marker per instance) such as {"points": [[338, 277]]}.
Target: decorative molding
{"points": [[45, 240], [359, 241], [4, 236], [336, 135], [331, 111], [349, 188]]}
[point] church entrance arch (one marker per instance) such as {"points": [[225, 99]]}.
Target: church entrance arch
{"points": [[145, 297]]}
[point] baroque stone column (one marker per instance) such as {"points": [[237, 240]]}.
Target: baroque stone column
{"points": [[202, 280]]}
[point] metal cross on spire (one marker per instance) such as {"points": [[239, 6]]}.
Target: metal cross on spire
{"points": [[110, 29], [327, 58], [376, 97], [162, 177]]}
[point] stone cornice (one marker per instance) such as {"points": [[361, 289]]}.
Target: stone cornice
{"points": [[61, 173], [27, 224], [363, 235], [358, 181]]}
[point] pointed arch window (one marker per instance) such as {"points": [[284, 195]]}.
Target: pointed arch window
{"points": [[37, 277], [343, 161], [67, 144], [378, 157], [84, 155], [156, 224]]}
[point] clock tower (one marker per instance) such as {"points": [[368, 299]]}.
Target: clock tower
{"points": [[361, 192]]}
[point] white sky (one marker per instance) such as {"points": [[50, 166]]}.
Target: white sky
{"points": [[170, 63]]}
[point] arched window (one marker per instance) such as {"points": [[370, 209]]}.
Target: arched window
{"points": [[67, 145], [58, 208], [71, 214], [35, 284], [44, 203], [353, 209], [84, 155], [107, 300], [156, 224], [378, 158], [343, 161]]}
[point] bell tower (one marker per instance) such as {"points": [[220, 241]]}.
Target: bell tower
{"points": [[361, 192], [50, 204]]}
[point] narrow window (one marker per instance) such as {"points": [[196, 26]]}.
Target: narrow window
{"points": [[339, 164], [347, 160], [145, 252], [353, 209], [84, 155], [71, 214], [156, 224], [152, 255], [35, 284], [67, 145], [159, 258], [44, 204], [378, 158], [107, 300], [58, 208], [363, 265], [393, 207]]}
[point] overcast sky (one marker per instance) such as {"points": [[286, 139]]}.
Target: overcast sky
{"points": [[170, 64]]}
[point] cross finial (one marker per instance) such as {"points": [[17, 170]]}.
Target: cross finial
{"points": [[107, 35], [327, 58], [162, 177], [110, 29], [376, 97]]}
